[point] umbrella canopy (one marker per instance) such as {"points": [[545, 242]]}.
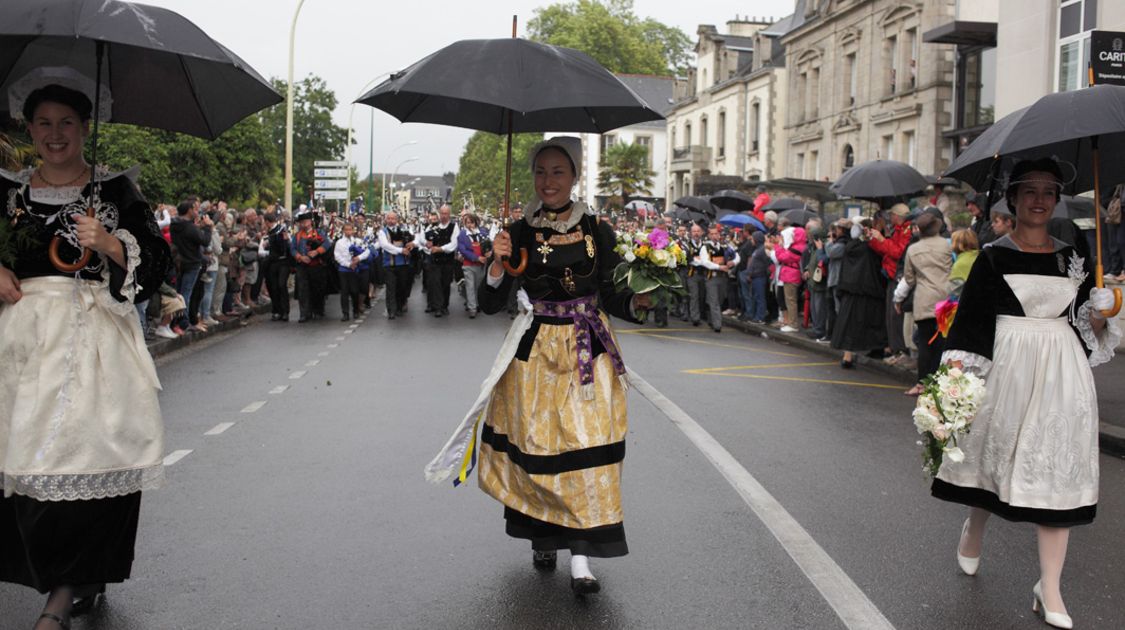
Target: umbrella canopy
{"points": [[477, 83], [161, 69], [784, 203], [799, 216], [880, 178], [1057, 125], [732, 200], [742, 220], [680, 213], [640, 205], [699, 204]]}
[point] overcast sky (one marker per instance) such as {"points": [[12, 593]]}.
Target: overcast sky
{"points": [[349, 43]]}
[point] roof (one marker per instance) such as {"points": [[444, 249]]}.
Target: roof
{"points": [[654, 90], [789, 23], [737, 41]]}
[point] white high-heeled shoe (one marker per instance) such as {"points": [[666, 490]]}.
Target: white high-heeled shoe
{"points": [[1055, 619], [967, 564]]}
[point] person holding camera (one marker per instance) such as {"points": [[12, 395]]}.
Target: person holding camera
{"points": [[191, 234]]}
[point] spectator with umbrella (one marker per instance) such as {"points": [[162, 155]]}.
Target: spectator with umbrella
{"points": [[760, 202]]}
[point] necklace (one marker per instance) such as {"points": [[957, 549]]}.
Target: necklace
{"points": [[1023, 243], [39, 173]]}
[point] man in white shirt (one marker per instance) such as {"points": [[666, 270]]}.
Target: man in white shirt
{"points": [[397, 244], [441, 242], [351, 256]]}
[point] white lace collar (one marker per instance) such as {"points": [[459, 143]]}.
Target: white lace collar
{"points": [[537, 220]]}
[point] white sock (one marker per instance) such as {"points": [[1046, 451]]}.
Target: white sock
{"points": [[580, 567]]}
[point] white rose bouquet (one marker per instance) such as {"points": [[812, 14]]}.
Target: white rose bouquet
{"points": [[949, 401]]}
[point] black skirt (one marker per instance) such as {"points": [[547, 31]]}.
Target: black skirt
{"points": [[46, 544], [979, 498], [599, 542], [860, 324]]}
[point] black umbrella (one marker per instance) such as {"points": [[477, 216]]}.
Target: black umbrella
{"points": [[162, 70], [732, 200], [1081, 127], [879, 178], [681, 213], [798, 216], [510, 85], [784, 203], [699, 204]]}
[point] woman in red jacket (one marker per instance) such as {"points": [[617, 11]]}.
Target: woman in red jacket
{"points": [[892, 248], [788, 258]]}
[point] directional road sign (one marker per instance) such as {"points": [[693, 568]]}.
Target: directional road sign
{"points": [[322, 184], [331, 194], [330, 163], [332, 173]]}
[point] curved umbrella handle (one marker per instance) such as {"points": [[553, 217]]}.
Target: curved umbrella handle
{"points": [[53, 253], [519, 269], [1116, 304]]}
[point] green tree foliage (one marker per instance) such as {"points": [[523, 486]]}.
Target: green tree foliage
{"points": [[611, 33], [625, 170], [239, 166], [481, 171], [315, 136]]}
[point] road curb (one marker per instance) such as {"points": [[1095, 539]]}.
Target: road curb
{"points": [[1112, 438], [161, 346]]}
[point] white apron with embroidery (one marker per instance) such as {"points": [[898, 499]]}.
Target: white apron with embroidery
{"points": [[1034, 442], [79, 416]]}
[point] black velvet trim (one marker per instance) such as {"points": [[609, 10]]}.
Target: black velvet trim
{"points": [[569, 461], [976, 497], [607, 541]]}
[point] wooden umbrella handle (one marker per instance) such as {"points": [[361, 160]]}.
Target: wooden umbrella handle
{"points": [[53, 253], [519, 269], [1099, 282]]}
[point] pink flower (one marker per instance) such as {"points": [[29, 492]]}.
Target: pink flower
{"points": [[659, 239]]}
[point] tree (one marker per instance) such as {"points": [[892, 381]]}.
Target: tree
{"points": [[315, 136], [611, 33], [480, 176], [625, 168]]}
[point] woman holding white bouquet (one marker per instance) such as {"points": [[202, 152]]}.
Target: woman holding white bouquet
{"points": [[1030, 323]]}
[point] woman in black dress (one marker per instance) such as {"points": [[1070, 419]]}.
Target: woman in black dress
{"points": [[860, 324], [80, 427]]}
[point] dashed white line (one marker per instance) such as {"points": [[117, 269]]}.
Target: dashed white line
{"points": [[296, 375], [333, 345], [348, 332], [323, 354], [220, 428], [313, 363], [280, 389], [340, 338], [175, 456], [839, 591], [254, 406], [353, 326]]}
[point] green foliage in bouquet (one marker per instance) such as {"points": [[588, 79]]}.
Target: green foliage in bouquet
{"points": [[649, 264]]}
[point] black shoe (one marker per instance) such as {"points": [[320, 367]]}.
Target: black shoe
{"points": [[472, 314], [345, 318], [302, 320], [284, 318], [437, 314], [661, 324], [695, 323], [544, 560], [718, 330], [429, 310], [584, 586], [275, 317], [86, 602], [390, 315], [847, 365]]}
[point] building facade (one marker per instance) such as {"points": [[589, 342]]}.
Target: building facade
{"points": [[725, 125], [862, 86]]}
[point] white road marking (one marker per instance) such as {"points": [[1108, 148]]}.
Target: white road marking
{"points": [[333, 345], [175, 456], [296, 375], [254, 406], [323, 354], [340, 338], [313, 363], [220, 428], [348, 332], [353, 326], [280, 389], [849, 602]]}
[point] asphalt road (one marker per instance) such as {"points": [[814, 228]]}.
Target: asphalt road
{"points": [[301, 503]]}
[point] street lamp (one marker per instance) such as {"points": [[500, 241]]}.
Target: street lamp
{"points": [[371, 140], [289, 113], [406, 144]]}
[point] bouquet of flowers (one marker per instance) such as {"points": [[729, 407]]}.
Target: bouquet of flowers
{"points": [[650, 263], [949, 401]]}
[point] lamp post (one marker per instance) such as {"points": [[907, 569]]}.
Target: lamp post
{"points": [[395, 173], [371, 139], [289, 113], [396, 168]]}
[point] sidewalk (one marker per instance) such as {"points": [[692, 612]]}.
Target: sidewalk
{"points": [[1109, 379], [159, 347]]}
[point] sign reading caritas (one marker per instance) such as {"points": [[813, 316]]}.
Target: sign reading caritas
{"points": [[1107, 57]]}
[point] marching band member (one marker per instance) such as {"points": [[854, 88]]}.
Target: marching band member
{"points": [[309, 246], [351, 256], [397, 244]]}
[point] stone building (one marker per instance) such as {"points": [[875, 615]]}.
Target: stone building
{"points": [[861, 86], [726, 124]]}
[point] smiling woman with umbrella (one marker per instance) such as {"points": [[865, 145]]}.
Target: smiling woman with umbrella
{"points": [[78, 398], [1030, 321]]}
